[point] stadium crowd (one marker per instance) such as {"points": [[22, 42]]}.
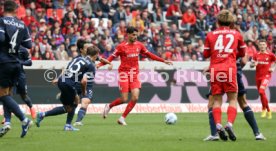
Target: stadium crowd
{"points": [[172, 29]]}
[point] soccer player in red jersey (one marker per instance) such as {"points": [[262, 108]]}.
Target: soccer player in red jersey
{"points": [[129, 52], [222, 45], [265, 65]]}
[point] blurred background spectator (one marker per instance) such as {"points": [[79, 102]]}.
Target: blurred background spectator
{"points": [[172, 29]]}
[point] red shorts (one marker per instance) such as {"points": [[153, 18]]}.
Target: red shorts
{"points": [[225, 84], [262, 83], [128, 82]]}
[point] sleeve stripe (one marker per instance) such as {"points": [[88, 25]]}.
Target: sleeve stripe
{"points": [[2, 31], [244, 46], [114, 55], [28, 39], [206, 48]]}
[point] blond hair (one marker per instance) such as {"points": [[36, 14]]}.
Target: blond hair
{"points": [[225, 18]]}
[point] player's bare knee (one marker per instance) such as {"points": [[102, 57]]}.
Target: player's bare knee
{"points": [[4, 92], [68, 108], [135, 98]]}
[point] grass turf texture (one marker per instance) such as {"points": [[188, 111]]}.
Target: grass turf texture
{"points": [[145, 132]]}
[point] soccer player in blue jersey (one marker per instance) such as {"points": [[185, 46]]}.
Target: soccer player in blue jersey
{"points": [[81, 70], [13, 34], [86, 99], [21, 86], [247, 111]]}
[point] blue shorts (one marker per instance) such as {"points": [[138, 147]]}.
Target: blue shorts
{"points": [[21, 86], [89, 91], [68, 92], [9, 73], [241, 88]]}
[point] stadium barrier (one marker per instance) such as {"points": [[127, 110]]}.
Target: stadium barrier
{"points": [[178, 88]]}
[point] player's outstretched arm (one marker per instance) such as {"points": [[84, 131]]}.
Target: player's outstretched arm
{"points": [[272, 67]]}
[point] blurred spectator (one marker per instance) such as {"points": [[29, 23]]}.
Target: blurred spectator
{"points": [[251, 49], [174, 12], [201, 26], [188, 19], [55, 26], [61, 54]]}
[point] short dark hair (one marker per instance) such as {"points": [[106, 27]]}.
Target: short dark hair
{"points": [[92, 51], [10, 6], [131, 30], [80, 44]]}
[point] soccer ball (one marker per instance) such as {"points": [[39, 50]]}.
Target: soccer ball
{"points": [[170, 118]]}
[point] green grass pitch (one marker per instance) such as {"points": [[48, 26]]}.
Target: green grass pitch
{"points": [[145, 132]]}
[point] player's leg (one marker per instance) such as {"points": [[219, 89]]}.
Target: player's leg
{"points": [[7, 80], [231, 114], [258, 83], [217, 116], [263, 86], [21, 89], [213, 129], [124, 90], [82, 111], [67, 95], [249, 116], [135, 86]]}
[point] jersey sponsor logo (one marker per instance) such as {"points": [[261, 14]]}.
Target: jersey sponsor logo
{"points": [[12, 23], [263, 62], [222, 55], [132, 55]]}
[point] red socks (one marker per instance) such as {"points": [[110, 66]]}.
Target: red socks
{"points": [[217, 115], [231, 114], [129, 107], [264, 101], [116, 102]]}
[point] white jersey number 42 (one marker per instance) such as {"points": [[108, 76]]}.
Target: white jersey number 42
{"points": [[219, 43]]}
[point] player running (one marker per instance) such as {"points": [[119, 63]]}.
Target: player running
{"points": [[222, 45], [13, 34], [78, 70], [265, 65], [129, 52]]}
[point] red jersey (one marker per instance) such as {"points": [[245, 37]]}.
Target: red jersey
{"points": [[264, 61], [171, 9], [129, 55], [222, 46]]}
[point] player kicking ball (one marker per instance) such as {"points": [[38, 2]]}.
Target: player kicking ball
{"points": [[221, 46], [129, 82], [265, 65], [78, 70]]}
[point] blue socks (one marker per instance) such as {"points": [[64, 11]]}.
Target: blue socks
{"points": [[27, 100], [12, 106], [55, 111], [70, 116], [249, 116], [212, 122], [81, 114], [7, 113]]}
